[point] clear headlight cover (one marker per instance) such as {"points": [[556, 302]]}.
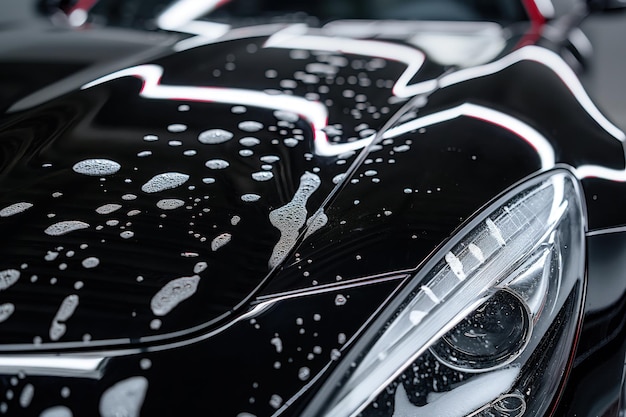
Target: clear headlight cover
{"points": [[485, 328]]}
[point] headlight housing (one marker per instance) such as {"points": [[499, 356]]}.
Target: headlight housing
{"points": [[486, 327]]}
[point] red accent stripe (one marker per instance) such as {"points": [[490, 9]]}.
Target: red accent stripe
{"points": [[537, 21]]}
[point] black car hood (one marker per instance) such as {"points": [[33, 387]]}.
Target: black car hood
{"points": [[155, 202]]}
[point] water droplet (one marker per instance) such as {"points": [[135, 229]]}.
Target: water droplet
{"points": [[220, 241], [183, 107], [164, 181], [270, 159], [200, 267], [249, 141], [217, 164], [177, 128], [145, 364], [5, 311], [125, 398], [170, 203], [27, 395], [338, 178], [208, 180], [286, 116], [108, 208], [262, 176], [144, 154], [190, 152], [304, 373], [127, 234], [238, 110], [151, 138], [235, 220], [173, 293], [56, 411], [340, 300], [290, 142], [250, 126], [65, 227], [401, 148], [129, 197], [96, 167], [215, 136], [250, 198], [15, 209]]}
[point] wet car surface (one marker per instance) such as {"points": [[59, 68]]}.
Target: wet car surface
{"points": [[260, 223]]}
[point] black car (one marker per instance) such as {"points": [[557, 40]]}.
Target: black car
{"points": [[332, 208]]}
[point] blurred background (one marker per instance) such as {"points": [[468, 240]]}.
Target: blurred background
{"points": [[605, 77]]}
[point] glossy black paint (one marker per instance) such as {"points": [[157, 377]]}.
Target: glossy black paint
{"points": [[253, 336]]}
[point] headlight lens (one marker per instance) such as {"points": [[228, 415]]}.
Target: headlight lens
{"points": [[486, 327]]}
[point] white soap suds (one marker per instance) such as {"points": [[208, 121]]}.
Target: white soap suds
{"points": [[290, 142], [26, 397], [108, 208], [15, 209], [96, 167], [269, 159], [5, 311], [200, 267], [316, 222], [214, 136], [177, 128], [165, 181], [170, 203], [286, 116], [66, 310], [250, 198], [249, 141], [125, 398], [278, 344], [56, 411], [262, 176], [290, 218], [173, 293], [220, 241], [90, 262], [235, 220], [129, 197], [250, 126], [8, 277], [65, 227], [127, 234], [217, 164]]}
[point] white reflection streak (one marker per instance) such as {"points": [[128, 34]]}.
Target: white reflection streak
{"points": [[182, 12], [88, 367], [550, 60]]}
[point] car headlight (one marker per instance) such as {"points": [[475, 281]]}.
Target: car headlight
{"points": [[486, 327]]}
